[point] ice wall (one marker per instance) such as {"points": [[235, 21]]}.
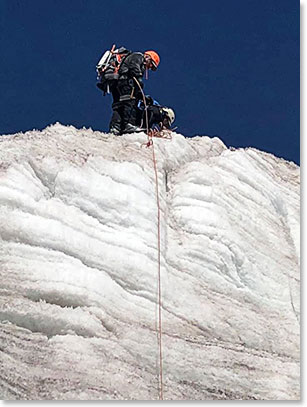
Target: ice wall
{"points": [[78, 269]]}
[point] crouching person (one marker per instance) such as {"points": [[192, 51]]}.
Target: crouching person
{"points": [[158, 116]]}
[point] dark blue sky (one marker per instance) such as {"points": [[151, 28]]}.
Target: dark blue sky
{"points": [[228, 67]]}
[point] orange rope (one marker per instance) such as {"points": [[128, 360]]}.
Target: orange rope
{"points": [[159, 275], [149, 143]]}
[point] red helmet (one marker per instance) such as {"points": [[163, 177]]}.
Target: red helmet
{"points": [[155, 59]]}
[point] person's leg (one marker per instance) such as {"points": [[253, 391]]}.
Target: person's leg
{"points": [[139, 116], [115, 122], [128, 112], [128, 107]]}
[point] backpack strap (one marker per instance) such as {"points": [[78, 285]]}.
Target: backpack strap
{"points": [[121, 61]]}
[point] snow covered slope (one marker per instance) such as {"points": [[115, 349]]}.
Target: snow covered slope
{"points": [[78, 256]]}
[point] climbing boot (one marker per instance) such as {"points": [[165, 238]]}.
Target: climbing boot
{"points": [[115, 130], [130, 128]]}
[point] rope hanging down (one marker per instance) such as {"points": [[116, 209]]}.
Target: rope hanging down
{"points": [[150, 135]]}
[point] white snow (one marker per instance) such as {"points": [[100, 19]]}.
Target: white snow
{"points": [[78, 256]]}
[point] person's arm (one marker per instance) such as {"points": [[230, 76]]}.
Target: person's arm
{"points": [[136, 66]]}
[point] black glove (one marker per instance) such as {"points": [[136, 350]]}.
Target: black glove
{"points": [[149, 100]]}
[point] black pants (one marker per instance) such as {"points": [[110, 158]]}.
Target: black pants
{"points": [[126, 98], [116, 116]]}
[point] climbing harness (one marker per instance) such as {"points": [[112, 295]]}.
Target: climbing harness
{"points": [[167, 135]]}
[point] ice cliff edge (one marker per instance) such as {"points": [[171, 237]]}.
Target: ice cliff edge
{"points": [[78, 268]]}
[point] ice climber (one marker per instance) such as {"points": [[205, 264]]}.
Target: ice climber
{"points": [[132, 69], [123, 83]]}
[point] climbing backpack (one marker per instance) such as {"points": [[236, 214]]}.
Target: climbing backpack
{"points": [[108, 66]]}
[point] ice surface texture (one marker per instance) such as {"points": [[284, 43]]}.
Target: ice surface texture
{"points": [[78, 257]]}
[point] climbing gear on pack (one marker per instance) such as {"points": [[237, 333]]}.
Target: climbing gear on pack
{"points": [[108, 66]]}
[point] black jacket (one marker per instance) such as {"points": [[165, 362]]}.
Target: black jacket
{"points": [[132, 66]]}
